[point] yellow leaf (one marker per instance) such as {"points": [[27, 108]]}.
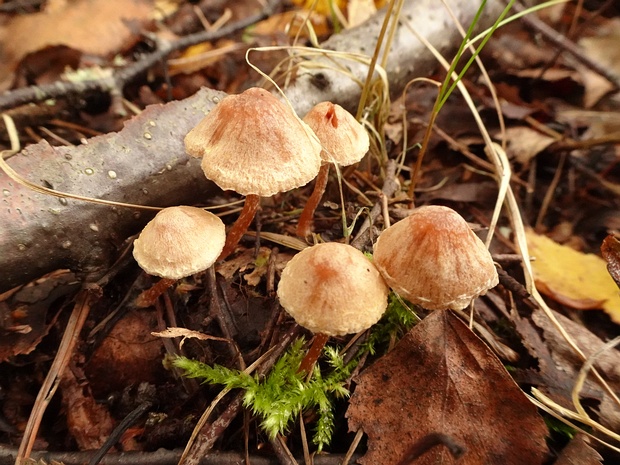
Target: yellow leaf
{"points": [[573, 278], [322, 7]]}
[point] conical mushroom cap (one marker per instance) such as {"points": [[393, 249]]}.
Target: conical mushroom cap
{"points": [[432, 258], [252, 143], [345, 139], [179, 242], [334, 289]]}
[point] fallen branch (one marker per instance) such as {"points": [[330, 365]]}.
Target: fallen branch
{"points": [[116, 83]]}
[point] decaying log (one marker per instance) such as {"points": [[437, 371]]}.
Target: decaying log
{"points": [[145, 163]]}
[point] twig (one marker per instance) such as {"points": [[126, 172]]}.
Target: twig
{"points": [[76, 322], [158, 457], [118, 432], [562, 42], [115, 84], [390, 186]]}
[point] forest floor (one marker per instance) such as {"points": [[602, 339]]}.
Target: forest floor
{"points": [[526, 375]]}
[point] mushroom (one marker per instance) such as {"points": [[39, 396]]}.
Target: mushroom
{"points": [[177, 242], [432, 258], [344, 141], [331, 289], [255, 145]]}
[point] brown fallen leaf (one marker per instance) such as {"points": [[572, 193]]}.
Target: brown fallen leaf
{"points": [[611, 253], [128, 355], [97, 27], [579, 452], [441, 378], [89, 422], [525, 143], [563, 371], [24, 312]]}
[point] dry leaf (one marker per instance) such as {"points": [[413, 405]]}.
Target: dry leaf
{"points": [[573, 278], [89, 422], [559, 365], [98, 27], [611, 253], [292, 23], [23, 312], [322, 7], [359, 11], [441, 378], [184, 333], [526, 143], [579, 452], [128, 355]]}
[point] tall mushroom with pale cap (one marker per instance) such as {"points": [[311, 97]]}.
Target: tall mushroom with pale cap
{"points": [[344, 141], [178, 242], [432, 258], [331, 289], [255, 145]]}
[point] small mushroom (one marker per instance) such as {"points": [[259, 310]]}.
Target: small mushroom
{"points": [[178, 242], [344, 141], [331, 289], [255, 145], [432, 258]]}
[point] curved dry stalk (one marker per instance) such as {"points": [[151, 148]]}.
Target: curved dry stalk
{"points": [[80, 312]]}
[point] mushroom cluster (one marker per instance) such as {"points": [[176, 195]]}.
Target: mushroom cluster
{"points": [[255, 145], [432, 258]]}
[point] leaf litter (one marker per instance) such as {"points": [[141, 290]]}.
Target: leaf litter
{"points": [[464, 357], [441, 378]]}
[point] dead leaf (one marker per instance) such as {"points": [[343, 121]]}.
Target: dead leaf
{"points": [[579, 452], [97, 27], [359, 11], [525, 143], [595, 86], [559, 365], [611, 253], [603, 48], [322, 7], [573, 278], [89, 422], [185, 333], [23, 313], [441, 378], [128, 355], [292, 23]]}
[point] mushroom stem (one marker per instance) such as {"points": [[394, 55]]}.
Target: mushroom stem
{"points": [[304, 226], [241, 225], [307, 364], [148, 297]]}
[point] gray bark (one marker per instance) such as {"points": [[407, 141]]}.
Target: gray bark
{"points": [[39, 233]]}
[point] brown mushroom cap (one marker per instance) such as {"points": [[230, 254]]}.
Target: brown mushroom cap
{"points": [[345, 139], [333, 289], [432, 258], [179, 242], [252, 143]]}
